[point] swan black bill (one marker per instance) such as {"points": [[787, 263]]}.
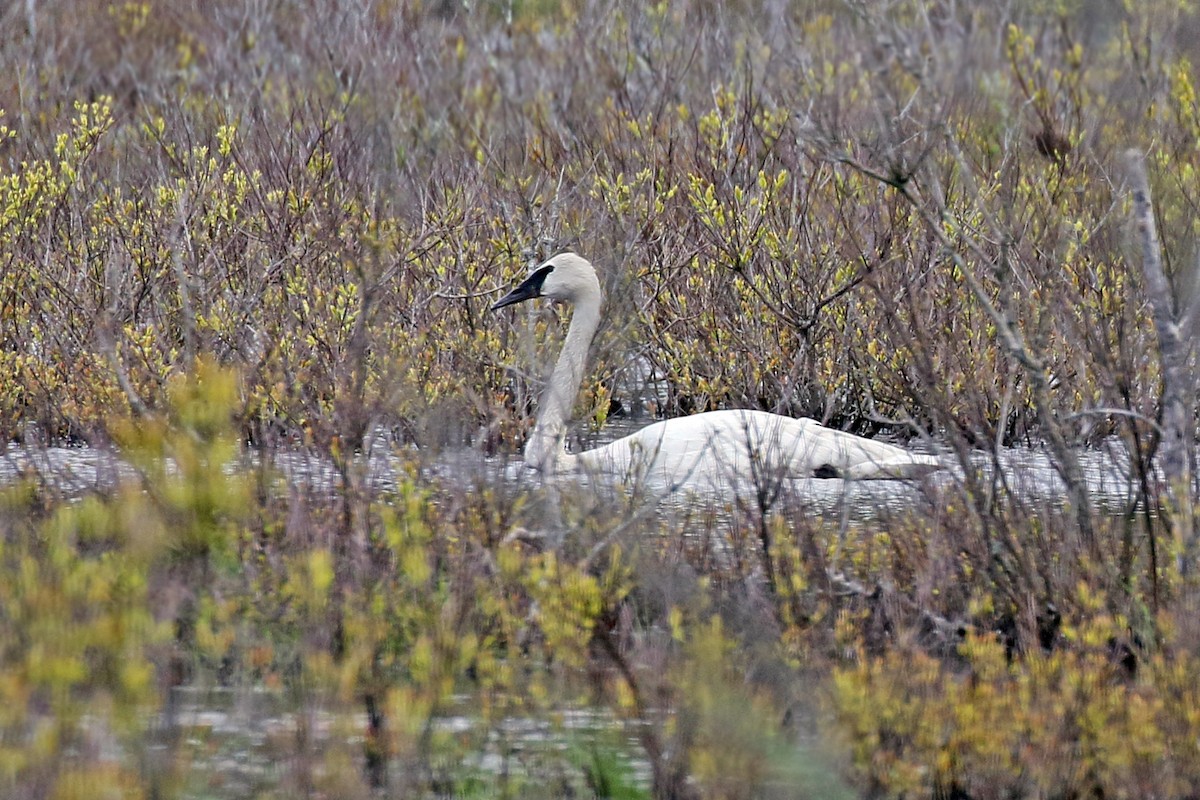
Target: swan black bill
{"points": [[530, 288]]}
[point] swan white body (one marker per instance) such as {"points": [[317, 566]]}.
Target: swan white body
{"points": [[713, 447]]}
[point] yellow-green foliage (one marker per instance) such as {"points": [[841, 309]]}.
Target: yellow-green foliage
{"points": [[416, 603], [184, 574], [339, 238], [83, 636], [78, 631], [1072, 721], [730, 750]]}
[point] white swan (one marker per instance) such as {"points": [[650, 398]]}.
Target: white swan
{"points": [[712, 446]]}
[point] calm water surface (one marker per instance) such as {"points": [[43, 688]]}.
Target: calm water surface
{"points": [[1028, 473]]}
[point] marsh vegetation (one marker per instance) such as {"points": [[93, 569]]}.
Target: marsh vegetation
{"points": [[238, 233]]}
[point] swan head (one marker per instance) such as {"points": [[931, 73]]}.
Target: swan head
{"points": [[566, 277]]}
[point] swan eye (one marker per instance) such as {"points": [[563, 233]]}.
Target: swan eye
{"points": [[826, 471]]}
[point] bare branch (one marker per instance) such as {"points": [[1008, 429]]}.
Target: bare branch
{"points": [[1178, 384]]}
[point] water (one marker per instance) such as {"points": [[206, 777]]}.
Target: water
{"points": [[242, 742], [1028, 473]]}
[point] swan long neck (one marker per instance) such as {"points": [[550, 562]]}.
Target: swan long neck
{"points": [[546, 448]]}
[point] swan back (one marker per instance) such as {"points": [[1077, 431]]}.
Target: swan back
{"points": [[736, 446]]}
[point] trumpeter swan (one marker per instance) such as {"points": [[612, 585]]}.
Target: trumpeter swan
{"points": [[715, 445]]}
